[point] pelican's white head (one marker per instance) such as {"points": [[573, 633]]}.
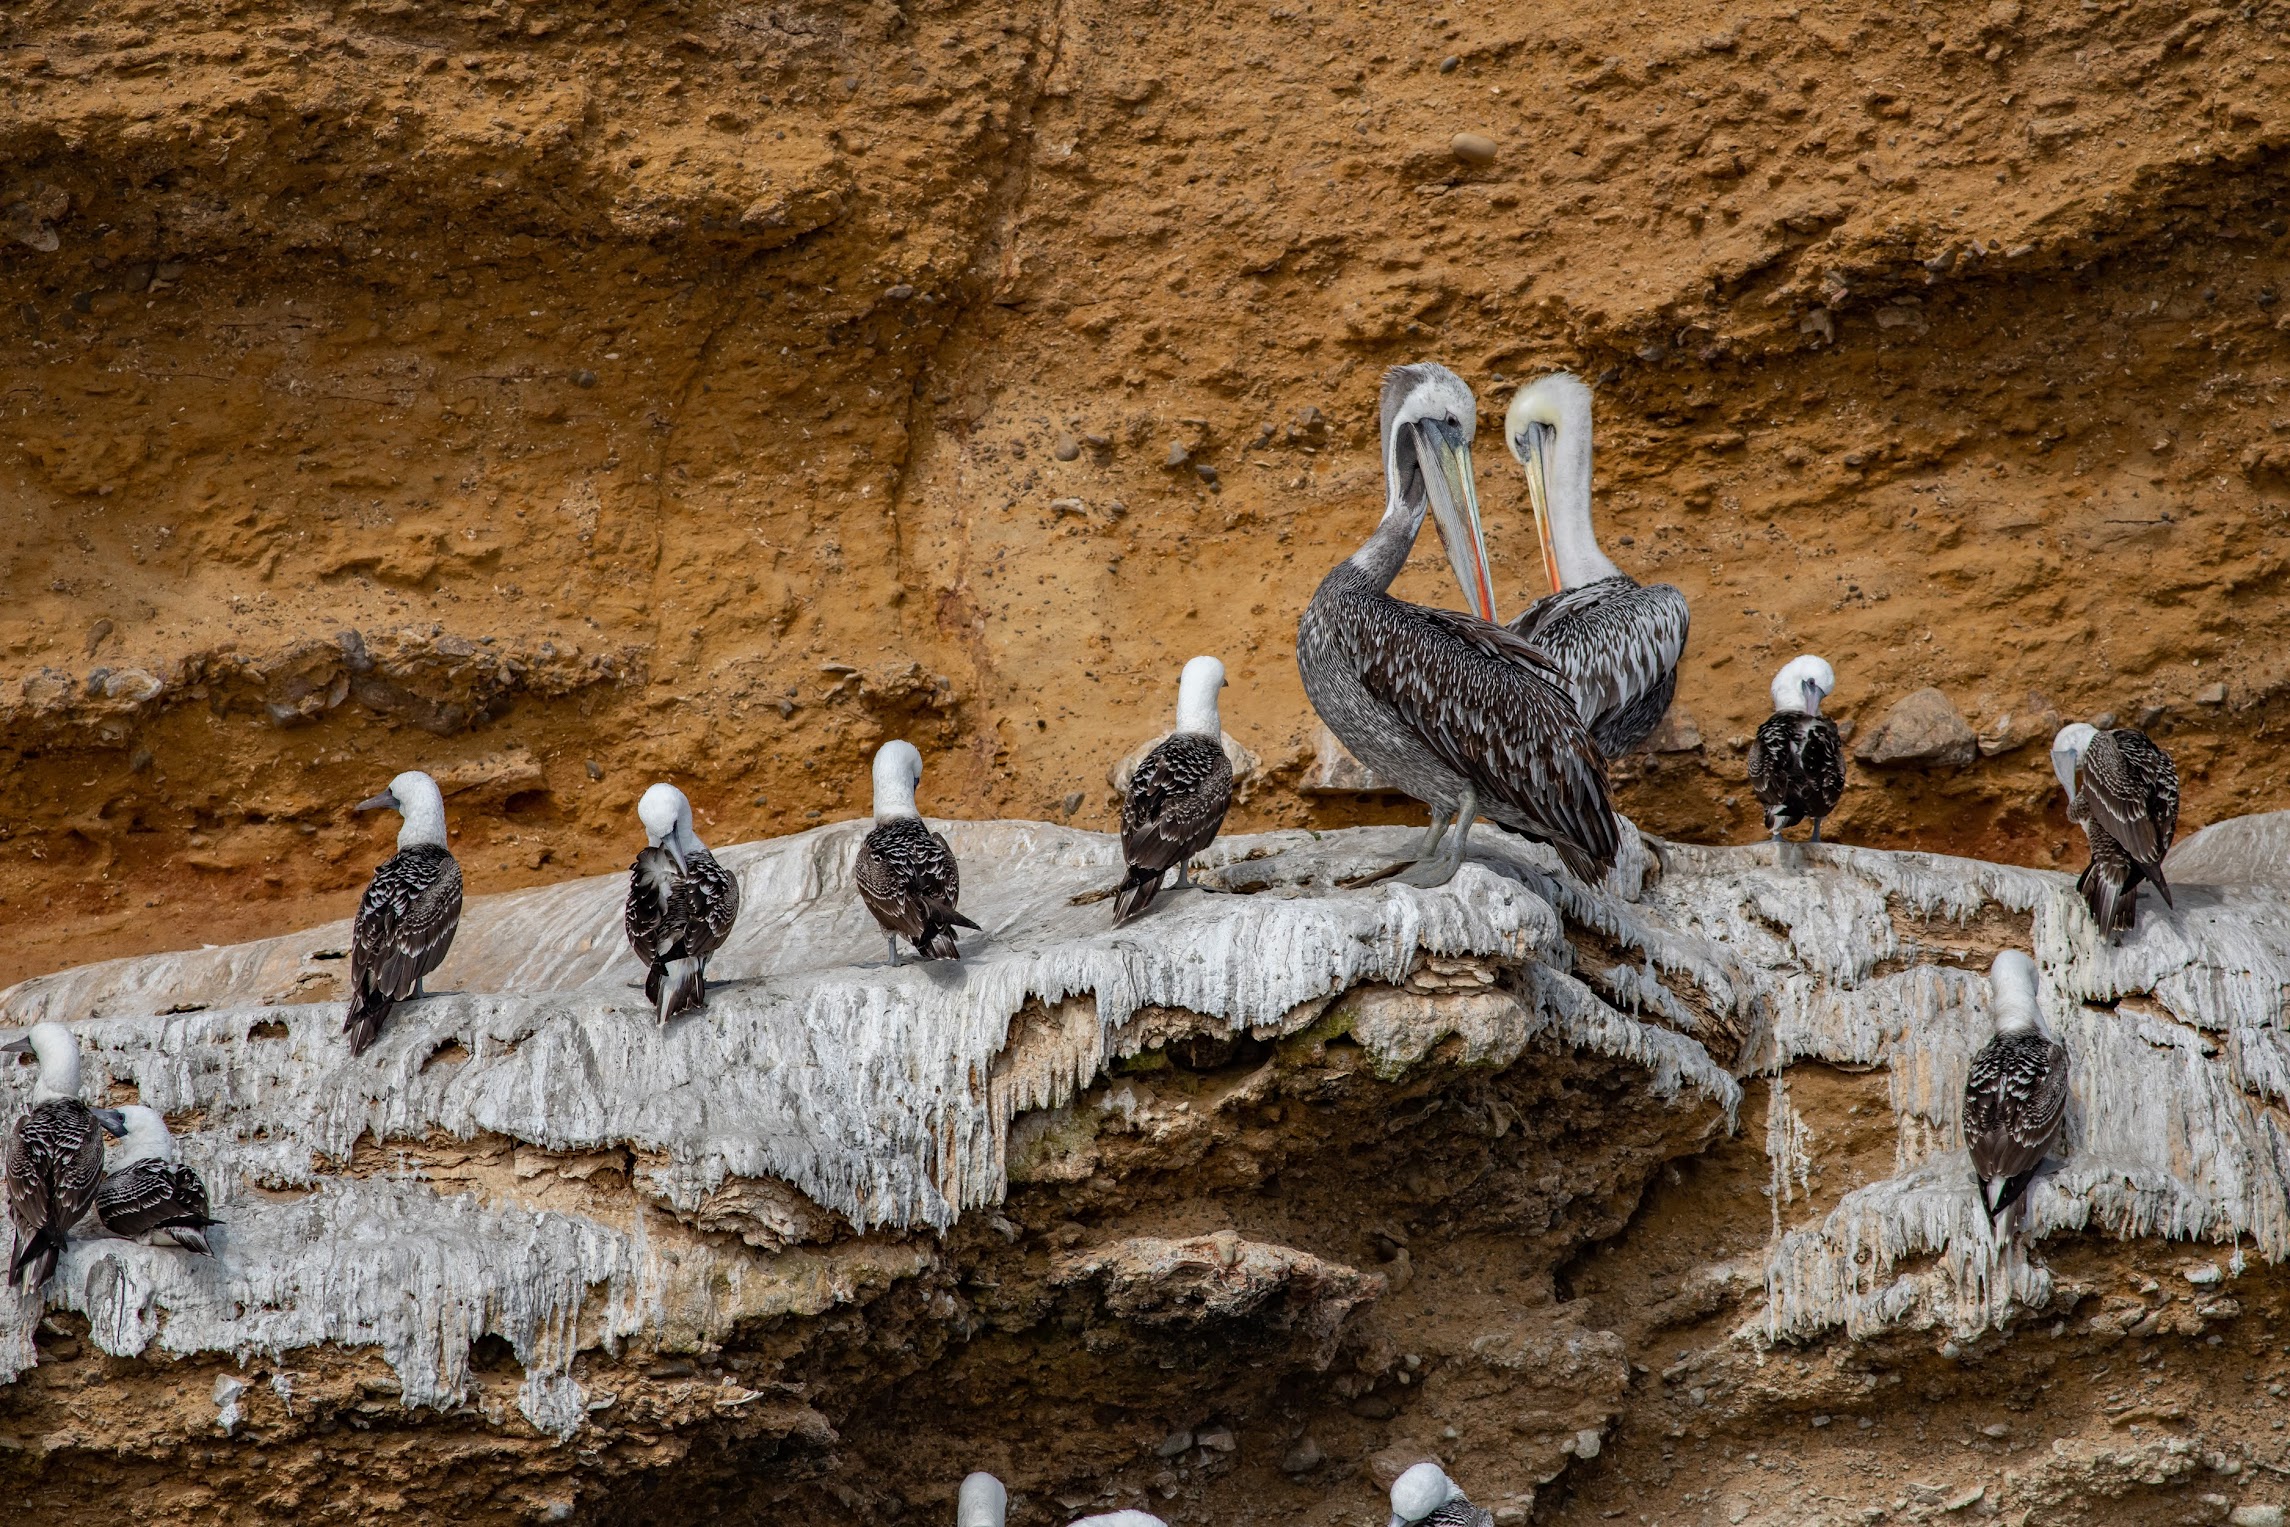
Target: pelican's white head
{"points": [[667, 819], [983, 1502], [57, 1049], [2012, 992], [898, 769], [2067, 749], [1802, 684], [1197, 698], [1548, 430], [1419, 1492], [144, 1137], [414, 796], [1429, 419]]}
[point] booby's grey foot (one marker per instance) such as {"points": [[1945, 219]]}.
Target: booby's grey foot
{"points": [[891, 943]]}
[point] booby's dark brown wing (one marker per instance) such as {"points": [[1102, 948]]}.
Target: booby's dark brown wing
{"points": [[2015, 1098], [2129, 788], [1177, 801], [404, 929], [150, 1195], [908, 878], [54, 1163]]}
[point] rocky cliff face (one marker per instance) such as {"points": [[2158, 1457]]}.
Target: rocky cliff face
{"points": [[563, 396], [1648, 1199]]}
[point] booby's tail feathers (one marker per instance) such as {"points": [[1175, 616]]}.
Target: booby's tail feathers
{"points": [[369, 1010], [38, 1252], [1998, 1194], [2154, 872], [193, 1237], [1136, 893], [677, 986], [2111, 901], [939, 920]]}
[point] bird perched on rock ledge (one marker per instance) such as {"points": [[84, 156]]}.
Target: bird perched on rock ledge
{"points": [[2123, 791], [408, 916], [1797, 760], [54, 1154], [149, 1188], [681, 904], [906, 873], [1425, 1497], [1179, 795], [2015, 1096]]}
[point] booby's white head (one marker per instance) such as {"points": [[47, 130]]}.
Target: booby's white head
{"points": [[1419, 1492], [2012, 992], [2067, 749], [144, 1137], [1429, 419], [414, 796], [57, 1049], [1548, 430], [1197, 698], [983, 1502], [667, 819], [898, 769], [1802, 684]]}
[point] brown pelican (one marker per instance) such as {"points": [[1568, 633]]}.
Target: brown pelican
{"points": [[1618, 641], [2123, 791], [406, 919], [2016, 1093], [1425, 1497], [1797, 760], [906, 874], [149, 1188], [1178, 796], [54, 1156], [1457, 711], [681, 904]]}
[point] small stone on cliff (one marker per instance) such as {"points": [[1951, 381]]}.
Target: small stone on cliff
{"points": [[1066, 449], [1922, 729], [1303, 1458], [1472, 148], [2034, 719], [1676, 733]]}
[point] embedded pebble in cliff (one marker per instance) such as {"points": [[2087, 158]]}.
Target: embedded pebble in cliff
{"points": [[1921, 730], [1303, 1458], [2035, 717], [1066, 448], [1472, 148]]}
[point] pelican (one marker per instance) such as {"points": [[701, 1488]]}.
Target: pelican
{"points": [[1797, 760], [681, 904], [407, 918], [1179, 794], [906, 874], [2016, 1093], [55, 1153], [2123, 791], [149, 1188], [1457, 711], [1617, 640], [1425, 1497]]}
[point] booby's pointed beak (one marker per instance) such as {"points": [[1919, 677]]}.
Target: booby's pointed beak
{"points": [[17, 1047], [1446, 459], [383, 802], [1812, 697], [676, 854], [113, 1121], [1533, 455], [1396, 1521]]}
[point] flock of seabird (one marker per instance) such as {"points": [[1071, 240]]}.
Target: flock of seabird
{"points": [[1515, 722]]}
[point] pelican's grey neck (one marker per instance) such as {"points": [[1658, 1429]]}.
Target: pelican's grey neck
{"points": [[1197, 698], [2012, 990], [1549, 430], [898, 769]]}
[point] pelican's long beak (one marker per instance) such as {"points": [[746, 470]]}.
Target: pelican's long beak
{"points": [[383, 802], [1534, 457], [1446, 459]]}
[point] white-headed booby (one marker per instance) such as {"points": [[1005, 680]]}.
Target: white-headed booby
{"points": [[681, 904], [906, 874], [2123, 791], [1797, 760], [1179, 794], [406, 919], [982, 1502], [2015, 1095], [1425, 1497], [55, 1154], [149, 1187], [1617, 640], [1457, 711]]}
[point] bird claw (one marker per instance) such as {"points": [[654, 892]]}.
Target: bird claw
{"points": [[1427, 874]]}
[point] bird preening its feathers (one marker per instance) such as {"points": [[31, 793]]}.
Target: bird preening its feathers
{"points": [[2015, 1095], [2123, 791], [1797, 758], [906, 874], [406, 919], [54, 1155], [1425, 1497], [681, 904], [1179, 794], [149, 1187], [983, 1502]]}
